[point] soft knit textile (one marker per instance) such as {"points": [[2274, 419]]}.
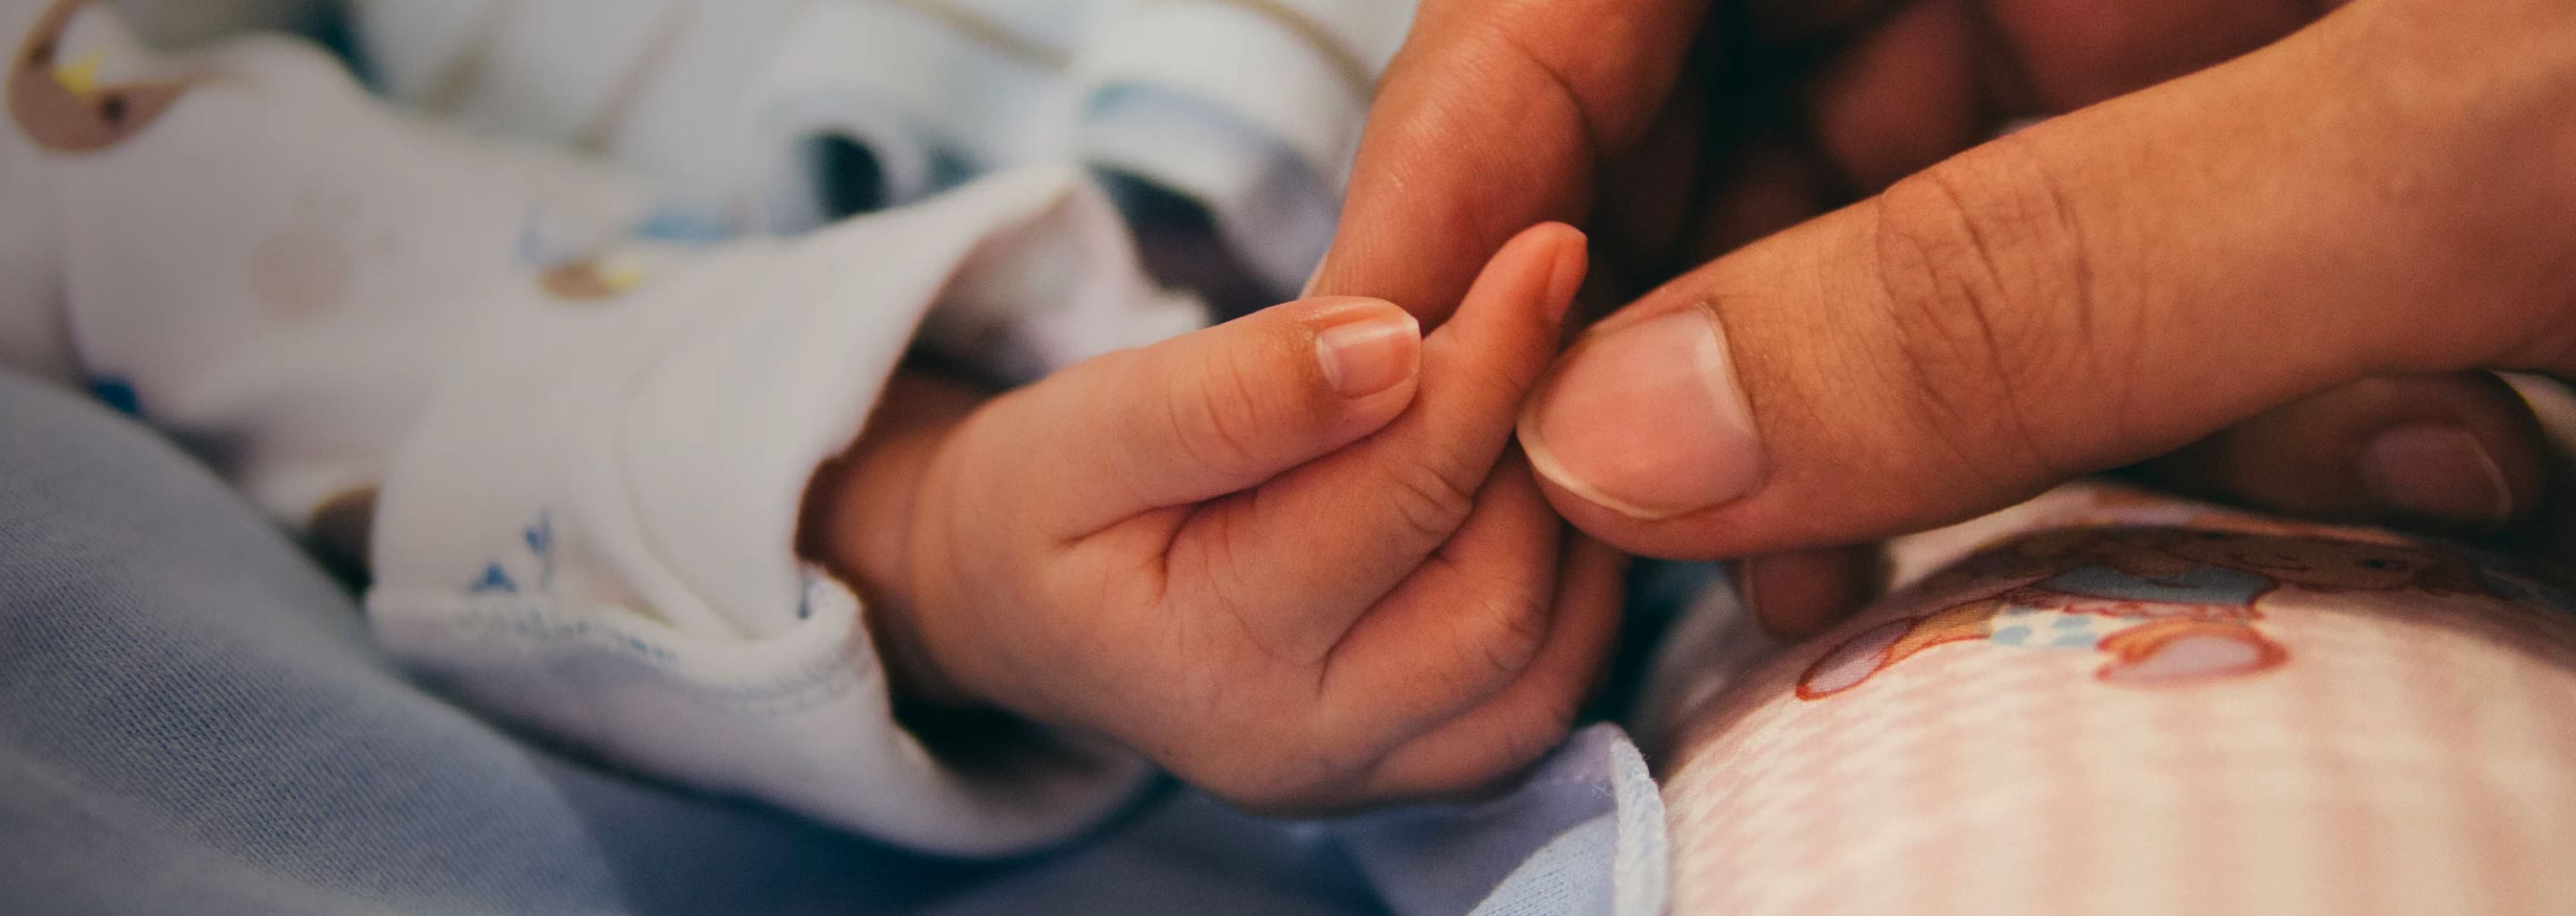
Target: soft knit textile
{"points": [[1251, 108], [590, 449]]}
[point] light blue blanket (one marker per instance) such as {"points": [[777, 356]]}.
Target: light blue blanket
{"points": [[192, 720]]}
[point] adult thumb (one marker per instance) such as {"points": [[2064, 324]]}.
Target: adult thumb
{"points": [[2384, 192]]}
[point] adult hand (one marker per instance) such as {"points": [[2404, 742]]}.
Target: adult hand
{"points": [[2274, 271]]}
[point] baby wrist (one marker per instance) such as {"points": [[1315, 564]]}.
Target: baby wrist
{"points": [[860, 523]]}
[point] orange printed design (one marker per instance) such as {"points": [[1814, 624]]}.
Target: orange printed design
{"points": [[60, 104], [2163, 606], [591, 279]]}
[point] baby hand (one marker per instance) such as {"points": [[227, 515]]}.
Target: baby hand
{"points": [[1288, 558]]}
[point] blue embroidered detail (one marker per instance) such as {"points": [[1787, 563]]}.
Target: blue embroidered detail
{"points": [[541, 541], [495, 580], [2012, 635], [116, 392], [532, 249], [681, 227]]}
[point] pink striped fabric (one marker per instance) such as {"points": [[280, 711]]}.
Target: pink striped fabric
{"points": [[2412, 749]]}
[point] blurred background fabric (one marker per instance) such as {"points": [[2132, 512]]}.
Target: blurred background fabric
{"points": [[193, 720]]}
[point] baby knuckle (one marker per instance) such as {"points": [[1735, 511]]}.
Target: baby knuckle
{"points": [[1429, 502], [1497, 636], [1220, 422], [1513, 625]]}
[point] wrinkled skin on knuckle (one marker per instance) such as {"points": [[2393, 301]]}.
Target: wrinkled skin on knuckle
{"points": [[1989, 304], [1429, 502], [1226, 407], [1509, 625], [1227, 614]]}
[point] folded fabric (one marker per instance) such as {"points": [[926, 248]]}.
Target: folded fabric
{"points": [[185, 22], [1582, 834], [1252, 108], [592, 527], [586, 451]]}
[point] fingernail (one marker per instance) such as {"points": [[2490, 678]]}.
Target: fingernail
{"points": [[1648, 420], [1565, 276], [2436, 471], [1368, 355]]}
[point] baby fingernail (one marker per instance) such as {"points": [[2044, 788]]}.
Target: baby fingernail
{"points": [[2437, 471], [1366, 355], [1648, 420]]}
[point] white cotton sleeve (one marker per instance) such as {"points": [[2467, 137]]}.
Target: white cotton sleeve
{"points": [[179, 23], [592, 527], [246, 251], [1252, 108], [589, 452]]}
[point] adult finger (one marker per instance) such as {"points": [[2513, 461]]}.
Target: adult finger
{"points": [[2381, 193], [1933, 77], [1937, 75], [2066, 56], [1912, 92], [2458, 453], [1801, 593], [1492, 118]]}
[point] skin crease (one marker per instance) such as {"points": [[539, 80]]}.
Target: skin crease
{"points": [[1296, 599], [2270, 221]]}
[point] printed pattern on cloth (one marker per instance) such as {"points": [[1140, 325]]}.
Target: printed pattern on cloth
{"points": [[2346, 723]]}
